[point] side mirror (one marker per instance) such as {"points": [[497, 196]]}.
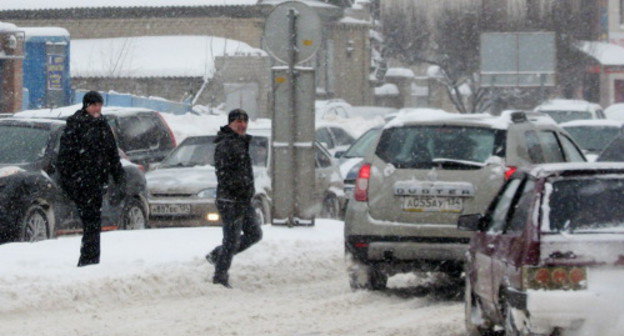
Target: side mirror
{"points": [[339, 154], [474, 222]]}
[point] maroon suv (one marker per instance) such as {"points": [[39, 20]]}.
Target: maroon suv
{"points": [[549, 254]]}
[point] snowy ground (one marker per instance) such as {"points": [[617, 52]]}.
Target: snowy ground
{"points": [[156, 282]]}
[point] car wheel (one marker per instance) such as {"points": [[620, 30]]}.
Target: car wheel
{"points": [[134, 216], [331, 207], [34, 224], [259, 211], [473, 314], [362, 276]]}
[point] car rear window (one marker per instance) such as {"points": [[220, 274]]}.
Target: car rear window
{"points": [[143, 132], [593, 138], [21, 144], [419, 146], [563, 116], [584, 204], [362, 144]]}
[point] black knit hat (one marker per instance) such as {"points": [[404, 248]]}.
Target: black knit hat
{"points": [[92, 97], [237, 114]]}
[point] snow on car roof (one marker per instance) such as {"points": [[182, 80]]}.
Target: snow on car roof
{"points": [[33, 121], [545, 170], [154, 56], [64, 4], [567, 105], [426, 115], [593, 123], [66, 111]]}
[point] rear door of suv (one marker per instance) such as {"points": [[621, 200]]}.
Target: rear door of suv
{"points": [[430, 173]]}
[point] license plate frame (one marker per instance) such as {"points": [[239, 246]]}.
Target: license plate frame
{"points": [[432, 204], [177, 209]]}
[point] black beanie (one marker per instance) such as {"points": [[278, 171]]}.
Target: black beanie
{"points": [[237, 114], [92, 97]]}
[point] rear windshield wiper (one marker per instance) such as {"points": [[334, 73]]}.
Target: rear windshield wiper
{"points": [[458, 163]]}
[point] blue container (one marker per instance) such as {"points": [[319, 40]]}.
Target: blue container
{"points": [[46, 67]]}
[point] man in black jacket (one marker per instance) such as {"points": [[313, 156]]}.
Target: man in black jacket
{"points": [[87, 156], [234, 192]]}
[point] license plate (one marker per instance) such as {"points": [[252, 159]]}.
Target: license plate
{"points": [[433, 204], [170, 209]]}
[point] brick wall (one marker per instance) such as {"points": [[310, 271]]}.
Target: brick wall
{"points": [[352, 63], [11, 75]]}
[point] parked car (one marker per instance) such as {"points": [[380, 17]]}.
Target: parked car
{"points": [[182, 189], [615, 112], [32, 205], [334, 137], [426, 170], [593, 136], [562, 110], [547, 251], [141, 133]]}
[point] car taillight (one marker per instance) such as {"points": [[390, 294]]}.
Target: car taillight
{"points": [[173, 140], [361, 183], [555, 278], [510, 171]]}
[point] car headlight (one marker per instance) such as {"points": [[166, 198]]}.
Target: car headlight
{"points": [[208, 193]]}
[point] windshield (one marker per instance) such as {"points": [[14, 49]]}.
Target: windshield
{"points": [[22, 144], [362, 144], [593, 139], [200, 152], [587, 204], [423, 146], [563, 116]]}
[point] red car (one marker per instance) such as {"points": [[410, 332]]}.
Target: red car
{"points": [[549, 254]]}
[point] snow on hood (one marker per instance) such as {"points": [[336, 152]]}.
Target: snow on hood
{"points": [[189, 180], [593, 123]]}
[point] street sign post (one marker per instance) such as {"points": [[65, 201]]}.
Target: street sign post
{"points": [[292, 36]]}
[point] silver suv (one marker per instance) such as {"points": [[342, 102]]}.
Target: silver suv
{"points": [[425, 170]]}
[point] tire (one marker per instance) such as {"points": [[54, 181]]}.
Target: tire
{"points": [[133, 217], [362, 276], [34, 225], [259, 211], [472, 312], [331, 207]]}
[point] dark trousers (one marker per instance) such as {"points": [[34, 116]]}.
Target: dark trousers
{"points": [[240, 231], [90, 212]]}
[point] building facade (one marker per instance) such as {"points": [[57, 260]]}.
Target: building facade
{"points": [[11, 60], [343, 63]]}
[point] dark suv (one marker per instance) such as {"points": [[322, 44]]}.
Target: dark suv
{"points": [[32, 205], [141, 133]]}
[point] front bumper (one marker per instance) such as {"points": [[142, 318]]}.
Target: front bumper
{"points": [[202, 213]]}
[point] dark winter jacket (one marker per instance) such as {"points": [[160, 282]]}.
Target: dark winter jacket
{"points": [[233, 166], [88, 155]]}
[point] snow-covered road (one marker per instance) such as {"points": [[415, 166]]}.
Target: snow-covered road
{"points": [[156, 282]]}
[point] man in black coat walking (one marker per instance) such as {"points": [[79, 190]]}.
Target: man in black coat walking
{"points": [[88, 154], [235, 190]]}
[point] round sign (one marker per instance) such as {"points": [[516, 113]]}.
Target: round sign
{"points": [[307, 27]]}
